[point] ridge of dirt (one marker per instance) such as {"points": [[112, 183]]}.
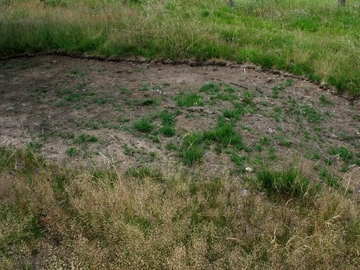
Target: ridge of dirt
{"points": [[190, 62], [82, 111]]}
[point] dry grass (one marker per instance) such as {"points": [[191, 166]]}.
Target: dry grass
{"points": [[60, 218]]}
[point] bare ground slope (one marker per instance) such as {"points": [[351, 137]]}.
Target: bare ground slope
{"points": [[83, 111]]}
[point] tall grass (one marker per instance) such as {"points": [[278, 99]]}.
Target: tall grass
{"points": [[54, 217], [317, 39]]}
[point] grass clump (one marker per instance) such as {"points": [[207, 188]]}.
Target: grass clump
{"points": [[210, 88], [225, 134], [168, 122], [286, 183], [192, 149], [189, 100], [143, 125], [85, 138]]}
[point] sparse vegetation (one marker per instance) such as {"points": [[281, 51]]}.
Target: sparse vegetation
{"points": [[179, 166]]}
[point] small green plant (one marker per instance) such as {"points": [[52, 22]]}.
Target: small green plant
{"points": [[325, 101], [171, 146], [329, 179], [225, 135], [234, 114], [99, 100], [72, 151], [210, 88], [143, 125], [189, 100], [154, 138], [247, 98], [345, 154], [146, 172], [85, 138], [289, 82], [167, 131], [192, 149], [167, 118], [66, 135], [129, 151], [288, 183], [145, 87], [276, 90]]}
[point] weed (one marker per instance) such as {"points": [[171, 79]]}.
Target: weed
{"points": [[154, 138], [99, 100], [145, 87], [329, 178], [276, 90], [167, 118], [210, 88], [286, 183], [143, 125], [325, 101], [167, 131], [233, 114], [171, 146], [239, 161], [192, 149], [225, 135], [85, 138], [247, 98], [189, 100], [345, 154], [66, 135], [129, 151], [289, 82], [72, 151]]}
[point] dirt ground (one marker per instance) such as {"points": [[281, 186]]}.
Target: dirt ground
{"points": [[83, 111]]}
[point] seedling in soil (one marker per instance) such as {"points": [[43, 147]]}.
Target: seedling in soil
{"points": [[72, 151], [84, 138]]}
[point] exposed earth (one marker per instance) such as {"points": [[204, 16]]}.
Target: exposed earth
{"points": [[84, 111]]}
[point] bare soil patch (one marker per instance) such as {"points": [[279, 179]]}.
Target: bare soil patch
{"points": [[83, 111]]}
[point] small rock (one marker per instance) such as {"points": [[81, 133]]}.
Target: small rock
{"points": [[249, 169], [323, 85]]}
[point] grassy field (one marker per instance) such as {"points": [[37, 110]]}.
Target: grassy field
{"points": [[317, 39], [60, 218], [275, 214]]}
